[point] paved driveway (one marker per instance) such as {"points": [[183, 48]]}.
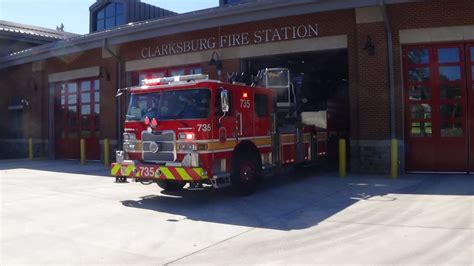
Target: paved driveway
{"points": [[57, 212]]}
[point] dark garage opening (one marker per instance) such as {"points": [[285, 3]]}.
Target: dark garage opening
{"points": [[321, 86]]}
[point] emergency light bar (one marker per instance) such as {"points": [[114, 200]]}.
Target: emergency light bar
{"points": [[167, 80]]}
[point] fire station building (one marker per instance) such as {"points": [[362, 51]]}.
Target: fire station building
{"points": [[381, 69]]}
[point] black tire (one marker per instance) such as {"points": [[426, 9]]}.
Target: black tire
{"points": [[246, 174], [170, 185]]}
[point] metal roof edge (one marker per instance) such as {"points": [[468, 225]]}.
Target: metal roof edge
{"points": [[28, 38], [191, 21], [61, 34]]}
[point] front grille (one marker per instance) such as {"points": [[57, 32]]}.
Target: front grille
{"points": [[166, 143]]}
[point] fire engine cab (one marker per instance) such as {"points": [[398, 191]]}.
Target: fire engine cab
{"points": [[192, 130]]}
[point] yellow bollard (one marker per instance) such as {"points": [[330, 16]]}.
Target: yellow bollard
{"points": [[394, 158], [83, 151], [30, 148], [342, 157], [106, 153]]}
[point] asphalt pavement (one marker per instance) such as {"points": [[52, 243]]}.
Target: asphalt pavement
{"points": [[61, 213]]}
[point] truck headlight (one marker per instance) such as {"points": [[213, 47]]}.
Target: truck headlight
{"points": [[127, 146], [132, 146], [192, 146], [129, 136], [185, 146]]}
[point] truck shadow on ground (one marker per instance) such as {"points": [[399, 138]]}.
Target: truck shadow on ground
{"points": [[298, 202]]}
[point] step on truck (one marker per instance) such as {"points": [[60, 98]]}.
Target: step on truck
{"points": [[193, 130]]}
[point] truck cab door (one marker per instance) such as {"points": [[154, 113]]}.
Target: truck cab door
{"points": [[227, 121], [243, 102]]}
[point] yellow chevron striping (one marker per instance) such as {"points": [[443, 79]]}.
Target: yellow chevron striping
{"points": [[167, 173], [115, 169], [183, 174], [200, 172], [129, 170]]}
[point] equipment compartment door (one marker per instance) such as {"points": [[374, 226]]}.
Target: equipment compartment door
{"points": [[243, 101]]}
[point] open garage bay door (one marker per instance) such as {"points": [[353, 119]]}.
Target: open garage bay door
{"points": [[320, 82]]}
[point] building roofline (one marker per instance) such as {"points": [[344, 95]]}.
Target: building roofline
{"points": [[37, 31], [186, 22]]}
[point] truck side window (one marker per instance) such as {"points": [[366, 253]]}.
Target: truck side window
{"points": [[261, 104], [218, 109]]}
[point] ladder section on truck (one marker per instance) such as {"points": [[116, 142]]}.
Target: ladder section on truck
{"points": [[278, 79]]}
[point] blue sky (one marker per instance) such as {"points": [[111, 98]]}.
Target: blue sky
{"points": [[75, 13]]}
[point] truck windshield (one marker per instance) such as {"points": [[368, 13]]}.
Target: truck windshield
{"points": [[170, 105]]}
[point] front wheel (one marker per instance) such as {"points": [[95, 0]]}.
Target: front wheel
{"points": [[170, 185], [245, 175]]}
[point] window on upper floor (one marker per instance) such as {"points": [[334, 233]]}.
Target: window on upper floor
{"points": [[110, 16], [231, 2]]}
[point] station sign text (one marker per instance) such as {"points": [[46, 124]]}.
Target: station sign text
{"points": [[232, 40]]}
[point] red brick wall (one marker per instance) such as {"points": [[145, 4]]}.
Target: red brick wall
{"points": [[373, 100], [368, 75], [19, 81], [74, 61], [107, 83], [108, 104], [345, 22], [436, 13], [373, 88], [433, 13]]}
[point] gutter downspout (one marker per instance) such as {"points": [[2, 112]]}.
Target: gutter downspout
{"points": [[391, 68], [118, 109], [394, 158]]}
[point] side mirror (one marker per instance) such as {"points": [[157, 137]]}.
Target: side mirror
{"points": [[224, 101]]}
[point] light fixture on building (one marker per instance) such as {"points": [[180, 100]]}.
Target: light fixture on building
{"points": [[104, 74], [24, 102], [215, 61], [369, 46]]}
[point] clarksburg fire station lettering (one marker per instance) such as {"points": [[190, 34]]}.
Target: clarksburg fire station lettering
{"points": [[232, 40]]}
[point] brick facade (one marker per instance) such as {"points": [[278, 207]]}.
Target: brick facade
{"points": [[371, 148], [22, 83], [369, 97], [372, 101]]}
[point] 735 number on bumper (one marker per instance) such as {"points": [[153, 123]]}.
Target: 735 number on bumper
{"points": [[158, 172]]}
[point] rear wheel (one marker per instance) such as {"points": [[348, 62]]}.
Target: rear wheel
{"points": [[170, 185], [246, 174]]}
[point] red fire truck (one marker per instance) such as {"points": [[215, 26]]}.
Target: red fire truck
{"points": [[192, 130]]}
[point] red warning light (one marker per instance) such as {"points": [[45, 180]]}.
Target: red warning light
{"points": [[189, 136], [245, 95], [147, 120], [154, 122]]}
